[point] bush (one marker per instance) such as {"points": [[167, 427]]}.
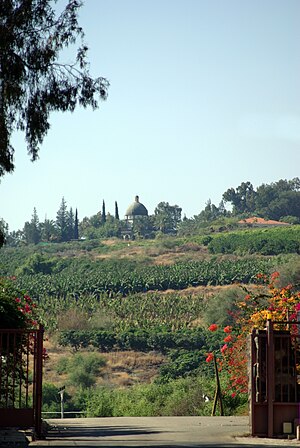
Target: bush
{"points": [[181, 363], [51, 398], [81, 378], [177, 397], [219, 308], [82, 369], [100, 403]]}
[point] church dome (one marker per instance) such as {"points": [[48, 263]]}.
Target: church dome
{"points": [[136, 209]]}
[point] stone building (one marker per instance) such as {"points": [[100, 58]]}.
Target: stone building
{"points": [[134, 211]]}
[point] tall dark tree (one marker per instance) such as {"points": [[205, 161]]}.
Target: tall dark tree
{"points": [[116, 211], [3, 232], [62, 221], [70, 224], [103, 215], [76, 226], [32, 230], [33, 79]]}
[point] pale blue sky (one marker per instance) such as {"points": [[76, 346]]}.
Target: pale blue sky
{"points": [[204, 95]]}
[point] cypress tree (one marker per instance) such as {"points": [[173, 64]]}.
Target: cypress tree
{"points": [[70, 224], [62, 221], [103, 216], [116, 211], [76, 232]]}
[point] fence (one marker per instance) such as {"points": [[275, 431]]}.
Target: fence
{"points": [[21, 363]]}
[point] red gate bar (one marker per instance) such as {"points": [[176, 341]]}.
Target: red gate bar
{"points": [[21, 369]]}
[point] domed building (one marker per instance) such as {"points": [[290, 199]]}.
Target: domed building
{"points": [[135, 210]]}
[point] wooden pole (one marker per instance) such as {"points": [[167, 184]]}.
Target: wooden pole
{"points": [[218, 393]]}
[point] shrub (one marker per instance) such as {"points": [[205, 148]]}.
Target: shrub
{"points": [[181, 362], [81, 378], [219, 308], [178, 397], [82, 369], [100, 403]]}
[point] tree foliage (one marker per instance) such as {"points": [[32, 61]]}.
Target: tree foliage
{"points": [[273, 201], [33, 79], [167, 217]]}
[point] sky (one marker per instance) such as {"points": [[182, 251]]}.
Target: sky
{"points": [[204, 95]]}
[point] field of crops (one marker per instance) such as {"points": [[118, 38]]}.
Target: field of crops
{"points": [[98, 278]]}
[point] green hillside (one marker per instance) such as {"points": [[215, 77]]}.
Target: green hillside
{"points": [[153, 298]]}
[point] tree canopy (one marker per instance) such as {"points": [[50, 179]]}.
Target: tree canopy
{"points": [[33, 79], [274, 201]]}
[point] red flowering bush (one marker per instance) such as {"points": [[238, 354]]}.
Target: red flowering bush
{"points": [[16, 309], [213, 327], [281, 304]]}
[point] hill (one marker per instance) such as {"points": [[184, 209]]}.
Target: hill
{"points": [[132, 316]]}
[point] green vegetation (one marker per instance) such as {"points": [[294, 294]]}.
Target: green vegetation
{"points": [[124, 278], [278, 201], [150, 298], [272, 241], [141, 340], [182, 396], [10, 315]]}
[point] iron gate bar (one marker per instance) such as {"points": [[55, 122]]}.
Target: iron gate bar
{"points": [[270, 379], [21, 350]]}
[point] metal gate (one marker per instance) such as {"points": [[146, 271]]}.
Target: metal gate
{"points": [[275, 379], [21, 363]]}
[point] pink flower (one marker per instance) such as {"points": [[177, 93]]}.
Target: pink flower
{"points": [[233, 394], [213, 327], [27, 308], [224, 348], [18, 300]]}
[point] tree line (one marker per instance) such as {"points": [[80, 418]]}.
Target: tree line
{"points": [[278, 201], [67, 227]]}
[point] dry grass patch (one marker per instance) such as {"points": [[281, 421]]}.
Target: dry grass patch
{"points": [[122, 368]]}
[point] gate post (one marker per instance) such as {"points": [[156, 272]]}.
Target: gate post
{"points": [[252, 388], [39, 382], [270, 377]]}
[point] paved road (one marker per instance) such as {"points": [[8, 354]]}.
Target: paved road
{"points": [[159, 432]]}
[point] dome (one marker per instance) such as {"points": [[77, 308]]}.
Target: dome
{"points": [[136, 209]]}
